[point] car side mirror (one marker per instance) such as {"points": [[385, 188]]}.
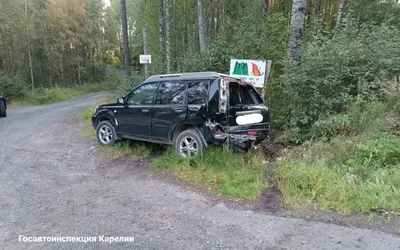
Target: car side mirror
{"points": [[120, 100]]}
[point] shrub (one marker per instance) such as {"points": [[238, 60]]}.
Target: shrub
{"points": [[335, 71], [12, 87], [128, 84]]}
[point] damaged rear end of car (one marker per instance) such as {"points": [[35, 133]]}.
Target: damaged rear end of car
{"points": [[237, 114]]}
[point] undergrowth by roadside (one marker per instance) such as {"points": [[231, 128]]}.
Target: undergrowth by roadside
{"points": [[351, 164], [43, 96], [220, 170]]}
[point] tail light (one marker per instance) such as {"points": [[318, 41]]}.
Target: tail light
{"points": [[223, 96]]}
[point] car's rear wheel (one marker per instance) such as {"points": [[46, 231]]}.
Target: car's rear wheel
{"points": [[3, 112], [105, 133], [189, 144]]}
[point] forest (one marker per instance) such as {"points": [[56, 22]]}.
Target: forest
{"points": [[340, 47], [333, 88]]}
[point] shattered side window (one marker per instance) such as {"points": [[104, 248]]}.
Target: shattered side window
{"points": [[197, 92]]}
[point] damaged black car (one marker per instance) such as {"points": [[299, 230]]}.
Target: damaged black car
{"points": [[191, 111], [3, 107]]}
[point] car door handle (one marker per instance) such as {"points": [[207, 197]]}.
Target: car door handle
{"points": [[178, 110], [145, 110]]}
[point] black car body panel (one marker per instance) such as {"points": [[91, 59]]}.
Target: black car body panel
{"points": [[3, 100], [217, 105]]}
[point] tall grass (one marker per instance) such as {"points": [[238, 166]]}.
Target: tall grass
{"points": [[220, 170], [353, 165]]}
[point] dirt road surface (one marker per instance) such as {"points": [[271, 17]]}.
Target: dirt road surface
{"points": [[54, 182]]}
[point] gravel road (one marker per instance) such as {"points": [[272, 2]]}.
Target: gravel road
{"points": [[54, 182]]}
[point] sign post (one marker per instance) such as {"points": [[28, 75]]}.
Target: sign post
{"points": [[268, 72], [146, 60]]}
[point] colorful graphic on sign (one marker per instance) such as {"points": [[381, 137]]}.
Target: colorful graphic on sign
{"points": [[252, 71]]}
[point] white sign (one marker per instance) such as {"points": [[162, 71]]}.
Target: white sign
{"points": [[251, 71], [145, 58]]}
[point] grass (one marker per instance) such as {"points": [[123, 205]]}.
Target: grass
{"points": [[58, 94], [220, 170], [138, 150], [353, 166]]}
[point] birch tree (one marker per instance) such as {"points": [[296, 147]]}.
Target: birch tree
{"points": [[200, 12], [296, 29], [161, 28], [339, 14], [29, 44], [167, 34]]}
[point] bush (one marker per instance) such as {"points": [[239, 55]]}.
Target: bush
{"points": [[12, 87], [128, 84], [336, 71]]}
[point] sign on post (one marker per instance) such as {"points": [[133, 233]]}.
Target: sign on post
{"points": [[251, 71], [145, 59]]}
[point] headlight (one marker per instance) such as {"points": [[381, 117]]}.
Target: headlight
{"points": [[95, 110]]}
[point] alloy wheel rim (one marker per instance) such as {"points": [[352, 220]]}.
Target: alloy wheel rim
{"points": [[188, 147], [105, 134]]}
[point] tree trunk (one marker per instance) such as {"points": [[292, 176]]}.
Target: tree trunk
{"points": [[265, 9], [200, 12], [167, 35], [339, 14], [145, 50], [318, 9], [296, 29], [161, 28], [212, 21], [29, 45], [125, 41], [217, 19]]}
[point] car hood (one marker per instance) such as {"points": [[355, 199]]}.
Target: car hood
{"points": [[110, 105]]}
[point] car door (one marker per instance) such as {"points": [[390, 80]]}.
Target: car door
{"points": [[134, 118], [169, 109]]}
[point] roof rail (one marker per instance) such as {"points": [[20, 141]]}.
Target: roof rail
{"points": [[170, 75]]}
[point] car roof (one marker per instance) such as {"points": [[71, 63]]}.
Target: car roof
{"points": [[190, 76]]}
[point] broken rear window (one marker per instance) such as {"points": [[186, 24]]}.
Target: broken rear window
{"points": [[243, 95]]}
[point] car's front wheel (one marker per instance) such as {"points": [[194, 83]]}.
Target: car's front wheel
{"points": [[105, 133], [189, 144], [3, 112]]}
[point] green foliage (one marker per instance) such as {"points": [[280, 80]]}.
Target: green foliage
{"points": [[221, 170], [357, 169], [11, 87], [42, 96], [336, 71], [129, 84], [60, 41]]}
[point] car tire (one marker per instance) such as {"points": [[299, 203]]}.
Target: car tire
{"points": [[3, 112], [189, 144], [105, 133]]}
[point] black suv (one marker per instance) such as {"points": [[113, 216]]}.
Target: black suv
{"points": [[3, 107], [189, 110]]}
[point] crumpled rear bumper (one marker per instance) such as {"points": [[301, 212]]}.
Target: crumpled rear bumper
{"points": [[240, 137]]}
